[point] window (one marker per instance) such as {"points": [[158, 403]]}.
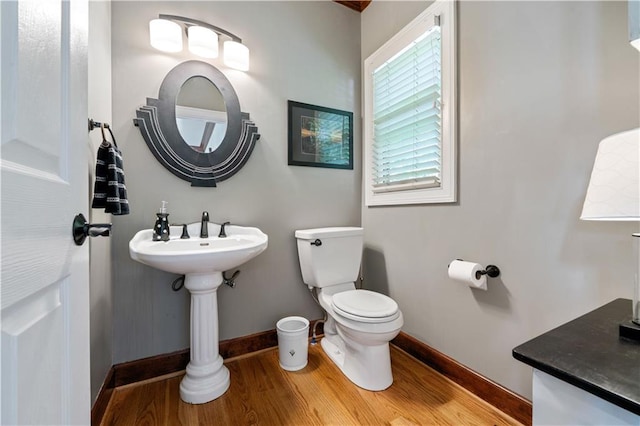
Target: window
{"points": [[409, 102]]}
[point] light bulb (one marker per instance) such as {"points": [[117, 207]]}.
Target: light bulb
{"points": [[236, 55], [165, 35], [203, 42]]}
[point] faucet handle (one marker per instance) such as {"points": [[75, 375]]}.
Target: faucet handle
{"points": [[185, 233], [223, 234], [205, 215]]}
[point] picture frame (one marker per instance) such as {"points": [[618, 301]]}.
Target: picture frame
{"points": [[320, 136]]}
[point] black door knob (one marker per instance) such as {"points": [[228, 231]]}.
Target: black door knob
{"points": [[81, 229]]}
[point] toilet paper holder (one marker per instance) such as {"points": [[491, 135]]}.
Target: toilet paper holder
{"points": [[491, 271]]}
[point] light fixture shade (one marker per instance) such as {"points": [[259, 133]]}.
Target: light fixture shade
{"points": [[614, 188], [203, 42], [165, 35], [236, 55]]}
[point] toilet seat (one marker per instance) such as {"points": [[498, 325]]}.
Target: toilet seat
{"points": [[365, 306]]}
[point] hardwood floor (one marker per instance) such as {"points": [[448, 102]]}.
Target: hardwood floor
{"points": [[262, 393]]}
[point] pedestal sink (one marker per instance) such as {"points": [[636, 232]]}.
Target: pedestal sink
{"points": [[202, 261]]}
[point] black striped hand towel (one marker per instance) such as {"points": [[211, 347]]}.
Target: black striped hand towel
{"points": [[110, 191]]}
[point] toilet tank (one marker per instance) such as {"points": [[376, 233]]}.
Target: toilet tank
{"points": [[336, 260]]}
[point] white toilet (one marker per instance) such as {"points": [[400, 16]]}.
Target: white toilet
{"points": [[360, 323]]}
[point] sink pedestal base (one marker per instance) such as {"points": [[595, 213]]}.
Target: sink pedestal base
{"points": [[202, 385], [207, 378]]}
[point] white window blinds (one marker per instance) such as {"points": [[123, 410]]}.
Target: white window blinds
{"points": [[407, 117]]}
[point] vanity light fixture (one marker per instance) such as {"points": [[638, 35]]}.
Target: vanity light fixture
{"points": [[202, 40], [614, 195]]}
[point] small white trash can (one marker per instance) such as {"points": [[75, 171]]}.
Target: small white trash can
{"points": [[293, 342]]}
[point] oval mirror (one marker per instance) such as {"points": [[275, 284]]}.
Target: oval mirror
{"points": [[214, 148], [201, 115]]}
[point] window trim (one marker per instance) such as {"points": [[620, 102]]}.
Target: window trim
{"points": [[446, 192]]}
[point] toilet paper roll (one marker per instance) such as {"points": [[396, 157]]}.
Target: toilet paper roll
{"points": [[465, 272]]}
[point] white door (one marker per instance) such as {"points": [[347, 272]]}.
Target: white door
{"points": [[44, 297]]}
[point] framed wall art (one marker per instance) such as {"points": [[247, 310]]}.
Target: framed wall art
{"points": [[320, 136]]}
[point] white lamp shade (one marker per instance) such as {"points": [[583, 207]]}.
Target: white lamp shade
{"points": [[203, 42], [236, 55], [614, 188], [165, 35]]}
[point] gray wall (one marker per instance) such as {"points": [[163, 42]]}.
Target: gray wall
{"points": [[101, 317], [540, 84], [303, 51]]}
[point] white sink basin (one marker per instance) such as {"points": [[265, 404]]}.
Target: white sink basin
{"points": [[198, 255], [202, 261]]}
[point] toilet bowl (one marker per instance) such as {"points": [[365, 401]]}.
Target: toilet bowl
{"points": [[360, 323]]}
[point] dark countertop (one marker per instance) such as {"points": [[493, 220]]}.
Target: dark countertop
{"points": [[588, 353]]}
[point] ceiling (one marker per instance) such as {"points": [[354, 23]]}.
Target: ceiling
{"points": [[355, 5]]}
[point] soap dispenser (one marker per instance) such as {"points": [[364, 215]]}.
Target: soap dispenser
{"points": [[161, 228]]}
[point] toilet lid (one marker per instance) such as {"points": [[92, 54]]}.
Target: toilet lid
{"points": [[364, 303]]}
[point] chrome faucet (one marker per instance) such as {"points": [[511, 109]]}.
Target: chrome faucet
{"points": [[204, 225]]}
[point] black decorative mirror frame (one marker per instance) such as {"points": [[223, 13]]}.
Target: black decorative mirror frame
{"points": [[157, 123]]}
